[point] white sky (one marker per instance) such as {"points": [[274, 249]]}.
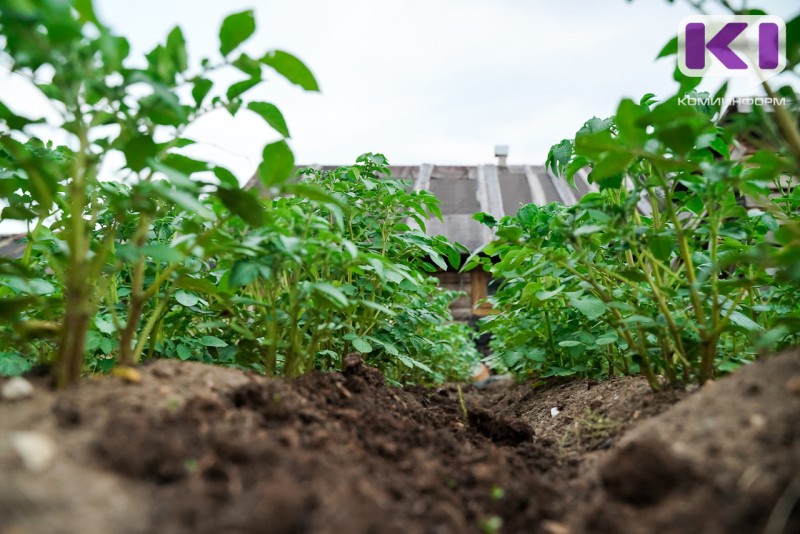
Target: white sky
{"points": [[423, 81], [434, 81]]}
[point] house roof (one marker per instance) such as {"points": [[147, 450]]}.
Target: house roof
{"points": [[494, 189], [12, 246]]}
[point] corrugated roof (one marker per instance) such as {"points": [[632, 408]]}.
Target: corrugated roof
{"points": [[466, 189], [462, 189], [12, 245]]}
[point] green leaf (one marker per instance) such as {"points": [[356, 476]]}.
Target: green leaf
{"points": [[647, 100], [185, 200], [13, 364], [606, 339], [243, 273], [239, 88], [86, 11], [278, 164], [200, 90], [35, 286], [184, 352], [103, 326], [591, 307], [611, 164], [558, 157], [39, 286], [211, 341], [577, 163], [390, 348], [17, 213], [630, 130], [244, 204], [114, 50], [411, 363], [669, 49], [633, 275], [176, 48], [138, 150], [569, 343], [485, 219], [248, 65], [271, 114], [159, 252], [679, 138], [721, 147], [176, 177], [546, 295], [182, 164], [235, 30], [436, 258], [454, 257], [587, 229], [362, 345], [333, 294], [662, 246], [315, 193], [595, 125], [743, 321], [226, 177], [510, 233], [291, 68], [187, 299], [378, 307], [163, 106]]}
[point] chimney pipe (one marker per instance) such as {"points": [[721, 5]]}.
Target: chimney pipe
{"points": [[501, 153]]}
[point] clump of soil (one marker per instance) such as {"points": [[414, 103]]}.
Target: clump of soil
{"points": [[726, 459], [194, 448]]}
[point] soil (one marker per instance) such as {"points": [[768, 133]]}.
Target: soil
{"points": [[179, 447]]}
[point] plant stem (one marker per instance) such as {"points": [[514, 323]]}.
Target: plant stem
{"points": [[148, 328], [72, 343], [137, 298]]}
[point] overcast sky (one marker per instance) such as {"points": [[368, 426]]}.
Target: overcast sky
{"points": [[424, 81]]}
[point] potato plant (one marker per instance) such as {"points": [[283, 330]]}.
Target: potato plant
{"points": [[166, 255], [333, 271], [665, 271], [108, 107], [329, 272]]}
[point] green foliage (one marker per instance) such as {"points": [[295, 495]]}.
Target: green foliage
{"points": [[338, 270], [177, 260], [85, 234], [664, 271], [331, 271]]}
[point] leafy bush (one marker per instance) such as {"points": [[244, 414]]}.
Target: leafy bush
{"points": [[173, 258], [334, 271], [326, 273], [664, 271]]}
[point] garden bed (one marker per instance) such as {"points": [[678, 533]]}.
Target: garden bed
{"points": [[184, 447]]}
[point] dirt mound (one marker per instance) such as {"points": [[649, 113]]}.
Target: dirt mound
{"points": [[726, 459], [193, 448]]}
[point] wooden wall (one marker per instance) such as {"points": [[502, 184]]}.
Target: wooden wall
{"points": [[475, 284]]}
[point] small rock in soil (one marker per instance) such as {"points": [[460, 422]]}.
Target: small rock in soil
{"points": [[17, 388], [36, 450]]}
